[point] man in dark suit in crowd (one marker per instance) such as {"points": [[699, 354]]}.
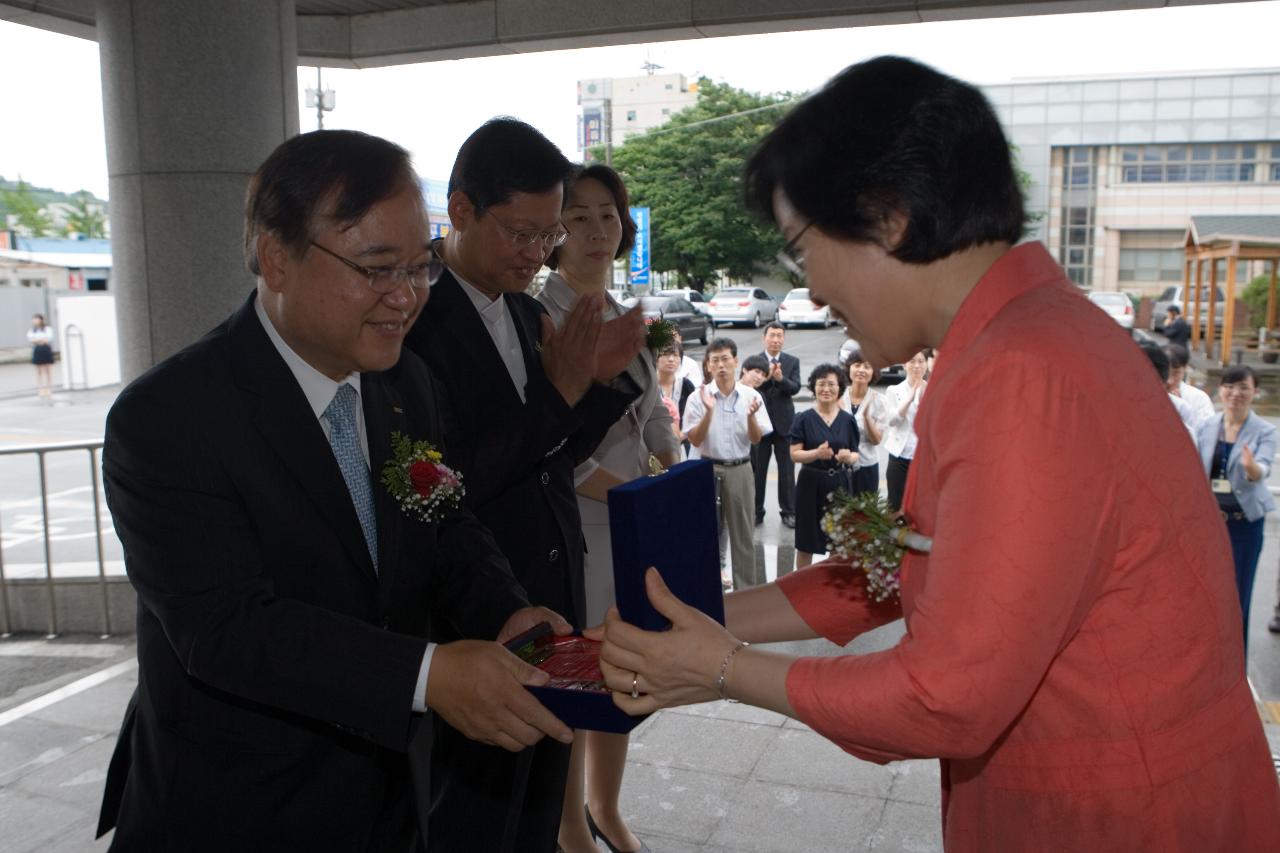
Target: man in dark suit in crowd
{"points": [[1174, 328], [285, 679], [527, 404], [781, 385]]}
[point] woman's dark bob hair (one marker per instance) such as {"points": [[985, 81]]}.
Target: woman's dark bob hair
{"points": [[612, 181], [891, 135], [828, 369], [1238, 373], [856, 357]]}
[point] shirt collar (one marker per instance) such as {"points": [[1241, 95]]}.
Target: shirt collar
{"points": [[492, 311], [318, 388]]}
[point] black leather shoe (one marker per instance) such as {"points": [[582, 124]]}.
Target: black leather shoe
{"points": [[1274, 625], [789, 521], [597, 835]]}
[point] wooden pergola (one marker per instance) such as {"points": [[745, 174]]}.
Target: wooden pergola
{"points": [[1232, 239]]}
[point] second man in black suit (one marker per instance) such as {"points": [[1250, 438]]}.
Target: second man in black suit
{"points": [[528, 405], [781, 385]]}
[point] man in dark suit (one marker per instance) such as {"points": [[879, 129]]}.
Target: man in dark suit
{"points": [[781, 385], [527, 404], [285, 679]]}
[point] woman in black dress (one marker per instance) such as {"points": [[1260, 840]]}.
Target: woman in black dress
{"points": [[824, 442], [40, 336]]}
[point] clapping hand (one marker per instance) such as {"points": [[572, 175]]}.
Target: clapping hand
{"points": [[824, 451], [621, 339], [775, 371], [754, 406], [569, 353], [846, 456]]}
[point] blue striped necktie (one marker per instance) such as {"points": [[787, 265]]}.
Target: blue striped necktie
{"points": [[344, 438]]}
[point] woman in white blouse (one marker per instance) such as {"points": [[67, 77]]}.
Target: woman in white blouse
{"points": [[900, 437], [600, 231], [871, 414]]}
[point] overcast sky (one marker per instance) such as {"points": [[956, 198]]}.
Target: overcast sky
{"points": [[51, 132]]}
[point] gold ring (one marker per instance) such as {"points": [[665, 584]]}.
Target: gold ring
{"points": [[635, 686]]}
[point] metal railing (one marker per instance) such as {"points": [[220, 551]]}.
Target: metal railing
{"points": [[41, 451]]}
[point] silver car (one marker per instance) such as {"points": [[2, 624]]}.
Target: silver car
{"points": [[749, 305]]}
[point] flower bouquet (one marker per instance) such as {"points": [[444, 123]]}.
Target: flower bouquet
{"points": [[659, 335], [863, 530]]}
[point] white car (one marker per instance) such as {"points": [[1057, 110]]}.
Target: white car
{"points": [[693, 297], [1117, 304], [749, 305], [797, 310]]}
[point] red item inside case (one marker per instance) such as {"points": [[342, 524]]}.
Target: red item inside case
{"points": [[572, 662]]}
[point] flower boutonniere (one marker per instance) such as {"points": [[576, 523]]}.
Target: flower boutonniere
{"points": [[420, 482], [862, 529]]}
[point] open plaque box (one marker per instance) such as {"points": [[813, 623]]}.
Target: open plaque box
{"points": [[667, 521]]}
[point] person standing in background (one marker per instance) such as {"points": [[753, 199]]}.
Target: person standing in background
{"points": [[1201, 403], [40, 336], [900, 441], [780, 385], [870, 414], [601, 231]]}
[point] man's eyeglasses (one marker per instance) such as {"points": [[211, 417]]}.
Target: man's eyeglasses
{"points": [[790, 257], [1241, 388], [384, 280], [529, 236]]}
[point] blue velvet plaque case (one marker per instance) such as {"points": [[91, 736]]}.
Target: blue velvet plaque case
{"points": [[669, 522]]}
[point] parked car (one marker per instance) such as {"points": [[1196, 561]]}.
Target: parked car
{"points": [[797, 310], [1115, 303], [1173, 296], [619, 294], [676, 310], [749, 305], [695, 297], [891, 375]]}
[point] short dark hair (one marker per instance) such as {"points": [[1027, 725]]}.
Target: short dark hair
{"points": [[505, 156], [674, 348], [856, 357], [1178, 356], [1159, 360], [891, 134], [773, 324], [1238, 373], [827, 369], [285, 195], [1173, 309], [612, 181], [722, 343], [755, 362]]}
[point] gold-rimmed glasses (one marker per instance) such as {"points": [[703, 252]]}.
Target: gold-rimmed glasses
{"points": [[384, 280]]}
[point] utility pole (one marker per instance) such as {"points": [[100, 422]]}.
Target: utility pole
{"points": [[608, 132], [322, 99]]}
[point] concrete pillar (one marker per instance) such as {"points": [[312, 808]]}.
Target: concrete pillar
{"points": [[195, 95]]}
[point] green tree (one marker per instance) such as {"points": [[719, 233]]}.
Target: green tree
{"points": [[86, 218], [31, 218], [689, 174], [1254, 295]]}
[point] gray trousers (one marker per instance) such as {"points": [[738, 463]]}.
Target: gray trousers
{"points": [[735, 505]]}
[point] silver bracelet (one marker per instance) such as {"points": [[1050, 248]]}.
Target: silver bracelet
{"points": [[724, 671]]}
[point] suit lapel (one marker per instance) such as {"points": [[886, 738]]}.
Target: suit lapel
{"points": [[290, 428]]}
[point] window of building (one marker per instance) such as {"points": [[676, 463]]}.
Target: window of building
{"points": [[666, 112], [1077, 170], [631, 115], [1151, 264], [33, 282], [1079, 185], [670, 86], [1201, 163]]}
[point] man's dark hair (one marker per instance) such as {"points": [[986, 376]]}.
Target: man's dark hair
{"points": [[724, 343], [773, 324], [287, 193], [1159, 360], [1174, 309], [505, 156], [1238, 373], [755, 362], [891, 134], [828, 369], [1178, 356], [612, 181]]}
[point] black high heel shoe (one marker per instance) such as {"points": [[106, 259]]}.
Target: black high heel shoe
{"points": [[597, 835]]}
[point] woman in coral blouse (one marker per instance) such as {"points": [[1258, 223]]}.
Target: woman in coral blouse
{"points": [[1072, 650]]}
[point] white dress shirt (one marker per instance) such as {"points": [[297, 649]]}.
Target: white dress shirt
{"points": [[319, 391], [691, 370], [502, 330], [874, 407], [900, 437], [1201, 403], [727, 437]]}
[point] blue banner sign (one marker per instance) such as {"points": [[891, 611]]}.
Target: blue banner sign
{"points": [[640, 251]]}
